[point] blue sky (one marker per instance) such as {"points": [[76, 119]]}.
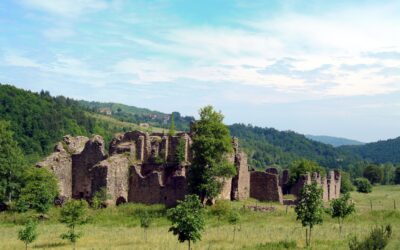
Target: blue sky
{"points": [[315, 67]]}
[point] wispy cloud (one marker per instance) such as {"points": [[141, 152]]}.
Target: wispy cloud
{"points": [[66, 8]]}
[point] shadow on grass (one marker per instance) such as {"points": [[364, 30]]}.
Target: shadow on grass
{"points": [[50, 245]]}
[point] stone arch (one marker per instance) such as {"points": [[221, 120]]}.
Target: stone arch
{"points": [[120, 200]]}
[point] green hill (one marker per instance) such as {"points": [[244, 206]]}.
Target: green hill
{"points": [[268, 146], [378, 152], [139, 115], [334, 141]]}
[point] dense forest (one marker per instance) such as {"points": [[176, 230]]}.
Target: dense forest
{"points": [[378, 152], [268, 146]]}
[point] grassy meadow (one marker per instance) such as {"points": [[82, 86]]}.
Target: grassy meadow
{"points": [[118, 227]]}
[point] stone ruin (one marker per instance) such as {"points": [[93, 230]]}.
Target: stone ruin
{"points": [[270, 186], [143, 168], [139, 167]]}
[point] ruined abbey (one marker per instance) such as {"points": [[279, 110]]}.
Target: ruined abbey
{"points": [[145, 168]]}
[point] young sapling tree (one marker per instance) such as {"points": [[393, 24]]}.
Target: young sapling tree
{"points": [[309, 209], [342, 208], [187, 219]]}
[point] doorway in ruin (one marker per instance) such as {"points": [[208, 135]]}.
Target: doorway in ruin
{"points": [[120, 200]]}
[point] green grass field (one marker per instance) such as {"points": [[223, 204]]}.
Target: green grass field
{"points": [[118, 227]]}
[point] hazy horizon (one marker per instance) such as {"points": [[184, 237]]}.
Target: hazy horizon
{"points": [[314, 67]]}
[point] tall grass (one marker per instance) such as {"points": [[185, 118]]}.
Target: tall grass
{"points": [[118, 227]]}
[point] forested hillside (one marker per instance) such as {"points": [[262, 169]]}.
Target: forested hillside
{"points": [[39, 120], [378, 152], [139, 115], [268, 146]]}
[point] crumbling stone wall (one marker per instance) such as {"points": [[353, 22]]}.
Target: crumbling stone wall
{"points": [[60, 162], [81, 165], [240, 188], [112, 174], [299, 184], [264, 186]]}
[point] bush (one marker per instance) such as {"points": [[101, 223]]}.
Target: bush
{"points": [[377, 239], [363, 185], [221, 209], [100, 198]]}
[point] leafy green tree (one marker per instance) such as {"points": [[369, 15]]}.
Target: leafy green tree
{"points": [[172, 131], [211, 144], [342, 208], [145, 222], [12, 165], [28, 234], [234, 219], [397, 176], [302, 167], [374, 174], [363, 185], [187, 219], [346, 185], [39, 190], [309, 208], [73, 214]]}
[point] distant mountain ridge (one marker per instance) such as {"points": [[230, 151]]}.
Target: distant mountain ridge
{"points": [[334, 141]]}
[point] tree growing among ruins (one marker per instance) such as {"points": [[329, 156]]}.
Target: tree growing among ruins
{"points": [[309, 208], [28, 234], [145, 222], [342, 208], [211, 144], [73, 214], [187, 219]]}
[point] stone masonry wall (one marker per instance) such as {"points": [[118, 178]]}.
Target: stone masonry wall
{"points": [[264, 186]]}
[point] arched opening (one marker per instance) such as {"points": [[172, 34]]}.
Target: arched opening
{"points": [[120, 200]]}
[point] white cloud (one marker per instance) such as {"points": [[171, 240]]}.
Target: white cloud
{"points": [[20, 61], [66, 8]]}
